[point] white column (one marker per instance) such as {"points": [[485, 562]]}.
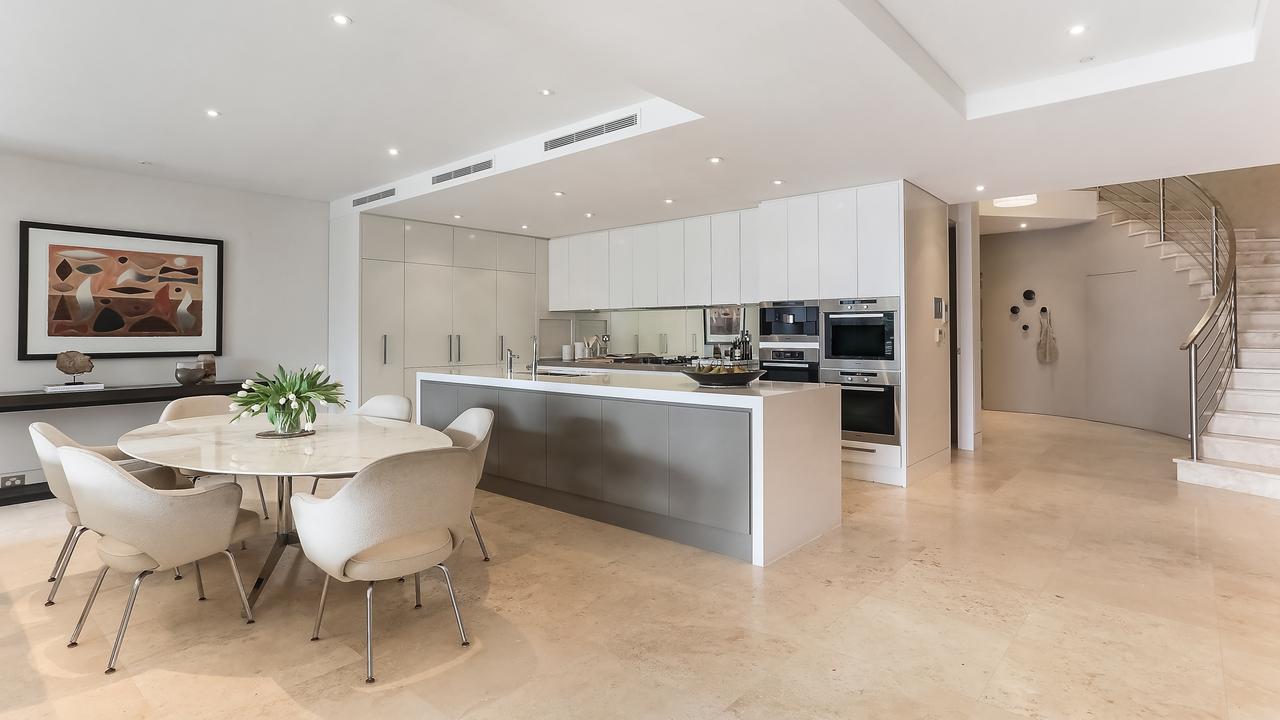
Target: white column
{"points": [[967, 324]]}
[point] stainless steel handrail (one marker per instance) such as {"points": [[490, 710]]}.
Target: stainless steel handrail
{"points": [[1183, 212]]}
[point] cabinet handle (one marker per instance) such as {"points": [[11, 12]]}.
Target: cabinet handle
{"points": [[450, 347], [384, 349], [637, 343], [459, 348], [502, 346], [693, 344]]}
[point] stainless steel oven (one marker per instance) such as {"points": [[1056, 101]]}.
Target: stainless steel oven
{"points": [[869, 404], [789, 362], [861, 334]]}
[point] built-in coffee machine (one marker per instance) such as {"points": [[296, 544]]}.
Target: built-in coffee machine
{"points": [[789, 340]]}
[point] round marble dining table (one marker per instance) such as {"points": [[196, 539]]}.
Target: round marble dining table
{"points": [[342, 445]]}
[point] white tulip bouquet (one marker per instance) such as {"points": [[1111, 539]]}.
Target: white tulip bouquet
{"points": [[289, 399]]}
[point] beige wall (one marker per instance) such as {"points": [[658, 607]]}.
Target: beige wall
{"points": [[1119, 314], [1250, 196], [928, 370]]}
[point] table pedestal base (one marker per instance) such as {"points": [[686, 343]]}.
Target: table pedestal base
{"points": [[284, 537]]}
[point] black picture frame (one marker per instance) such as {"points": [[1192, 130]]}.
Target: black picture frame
{"points": [[24, 248]]}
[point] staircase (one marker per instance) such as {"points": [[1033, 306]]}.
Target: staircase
{"points": [[1233, 385]]}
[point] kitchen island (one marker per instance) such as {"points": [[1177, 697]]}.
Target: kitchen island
{"points": [[750, 472]]}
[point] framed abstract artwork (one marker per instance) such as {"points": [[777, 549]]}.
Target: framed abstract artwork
{"points": [[116, 293]]}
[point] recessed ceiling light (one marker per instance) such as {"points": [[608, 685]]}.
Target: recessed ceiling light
{"points": [[1016, 201], [558, 193], [393, 151], [457, 217], [524, 227], [980, 188], [715, 160], [1086, 59], [1023, 225], [777, 182], [544, 92], [1076, 29], [342, 19], [588, 214], [668, 201], [212, 113], [144, 162]]}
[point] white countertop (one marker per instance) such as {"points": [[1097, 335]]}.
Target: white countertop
{"points": [[664, 387]]}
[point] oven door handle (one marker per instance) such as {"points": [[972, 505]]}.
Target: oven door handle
{"points": [[845, 316], [785, 365], [864, 388]]}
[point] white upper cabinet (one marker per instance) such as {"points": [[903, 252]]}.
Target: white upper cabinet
{"points": [[838, 244], [621, 242], [428, 243], [475, 248], [726, 259], [880, 240], [597, 279], [697, 261], [749, 252], [771, 235], [802, 247], [381, 238], [558, 274], [514, 253], [671, 263], [644, 266], [579, 270]]}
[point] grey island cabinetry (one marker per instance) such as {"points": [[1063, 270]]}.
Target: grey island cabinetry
{"points": [[659, 455]]}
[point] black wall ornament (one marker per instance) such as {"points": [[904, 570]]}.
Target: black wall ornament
{"points": [[1029, 295], [1015, 309]]}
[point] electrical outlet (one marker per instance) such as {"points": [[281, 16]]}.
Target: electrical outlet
{"points": [[9, 481]]}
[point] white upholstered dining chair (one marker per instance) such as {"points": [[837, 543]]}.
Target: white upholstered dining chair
{"points": [[387, 407], [400, 516], [206, 406], [471, 431], [47, 439], [144, 530]]}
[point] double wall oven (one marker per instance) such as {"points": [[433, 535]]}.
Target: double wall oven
{"points": [[789, 341], [859, 350]]}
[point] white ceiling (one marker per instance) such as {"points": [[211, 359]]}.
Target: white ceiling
{"points": [[800, 90], [309, 108], [1007, 42]]}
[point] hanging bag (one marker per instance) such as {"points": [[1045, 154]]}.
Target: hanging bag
{"points": [[1047, 347]]}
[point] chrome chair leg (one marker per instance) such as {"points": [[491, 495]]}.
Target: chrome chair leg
{"points": [[263, 497], [53, 574], [479, 538], [324, 594], [454, 599], [88, 603], [199, 582], [417, 590], [368, 633], [244, 599], [73, 538], [124, 621], [315, 485], [177, 572]]}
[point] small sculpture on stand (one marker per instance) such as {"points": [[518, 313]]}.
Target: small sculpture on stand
{"points": [[75, 364]]}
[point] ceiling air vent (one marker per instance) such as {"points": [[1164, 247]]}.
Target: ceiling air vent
{"points": [[390, 192], [611, 126], [462, 172]]}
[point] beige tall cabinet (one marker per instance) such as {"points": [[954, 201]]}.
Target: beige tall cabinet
{"points": [[437, 296]]}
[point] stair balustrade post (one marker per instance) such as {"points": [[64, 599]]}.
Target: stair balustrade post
{"points": [[1213, 244], [1195, 449], [1162, 210]]}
